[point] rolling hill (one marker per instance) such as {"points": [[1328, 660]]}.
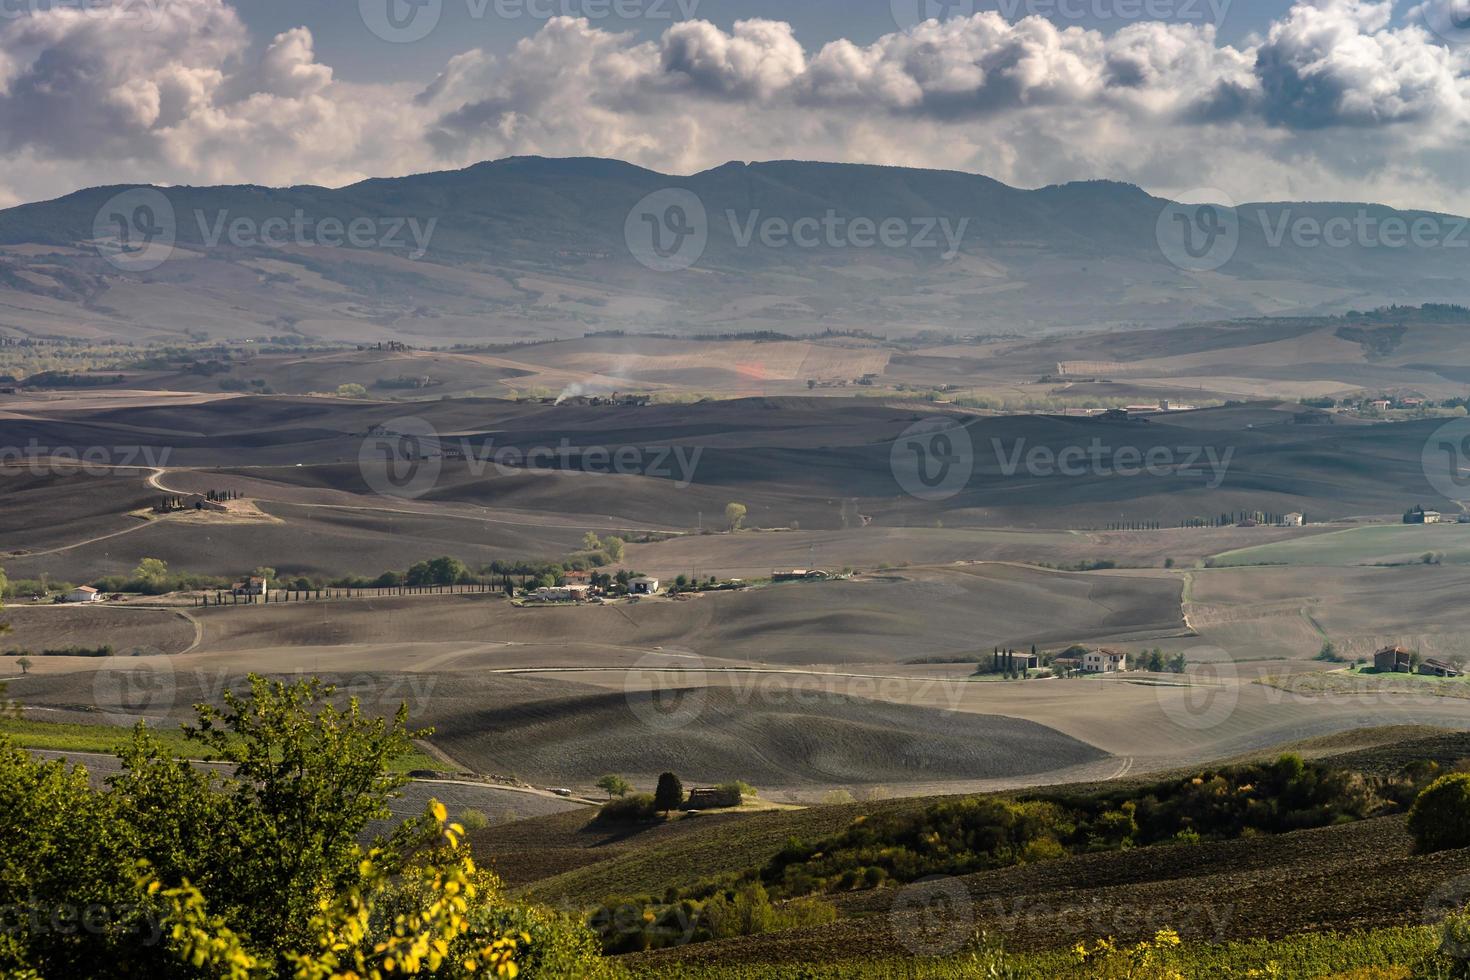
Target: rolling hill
{"points": [[531, 248]]}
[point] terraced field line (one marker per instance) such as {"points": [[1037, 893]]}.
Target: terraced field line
{"points": [[155, 481], [78, 544], [716, 670]]}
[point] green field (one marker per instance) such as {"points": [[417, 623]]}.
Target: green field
{"points": [[1400, 952], [1384, 544], [106, 739]]}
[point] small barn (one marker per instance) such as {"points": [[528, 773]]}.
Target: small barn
{"points": [[82, 593], [1394, 660]]}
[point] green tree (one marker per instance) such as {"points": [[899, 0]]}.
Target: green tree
{"points": [[267, 841], [437, 571], [614, 785], [152, 573], [1440, 818], [267, 573], [351, 390], [614, 547], [24, 663], [670, 793], [735, 515], [590, 542]]}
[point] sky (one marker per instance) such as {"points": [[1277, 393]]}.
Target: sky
{"points": [[1230, 100]]}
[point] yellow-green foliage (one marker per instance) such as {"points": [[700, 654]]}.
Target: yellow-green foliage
{"points": [[430, 931]]}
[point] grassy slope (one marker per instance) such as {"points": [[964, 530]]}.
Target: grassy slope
{"points": [[106, 739], [650, 860], [1381, 544], [1318, 955], [1347, 877]]}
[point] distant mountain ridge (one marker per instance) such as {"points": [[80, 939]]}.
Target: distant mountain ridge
{"points": [[532, 246]]}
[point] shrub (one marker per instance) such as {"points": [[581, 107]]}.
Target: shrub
{"points": [[1440, 817], [627, 809], [473, 819]]}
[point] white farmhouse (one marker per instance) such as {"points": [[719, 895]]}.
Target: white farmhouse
{"points": [[1104, 662], [82, 593]]}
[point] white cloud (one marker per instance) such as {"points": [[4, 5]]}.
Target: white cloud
{"points": [[1334, 100]]}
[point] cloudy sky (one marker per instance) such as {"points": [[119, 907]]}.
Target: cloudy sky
{"points": [[1257, 100]]}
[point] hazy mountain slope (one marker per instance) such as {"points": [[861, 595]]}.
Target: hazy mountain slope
{"points": [[531, 247]]}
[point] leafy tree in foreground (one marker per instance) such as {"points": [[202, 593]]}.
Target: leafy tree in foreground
{"points": [[257, 871]]}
